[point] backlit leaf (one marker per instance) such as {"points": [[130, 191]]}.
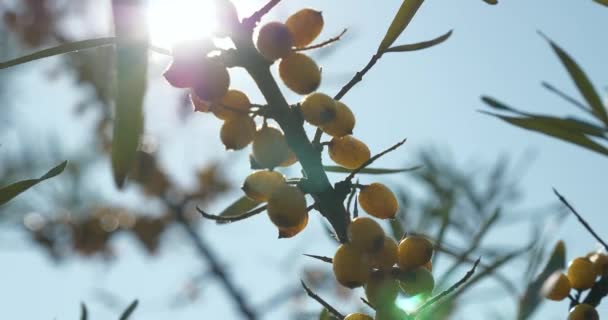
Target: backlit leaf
{"points": [[9, 192], [420, 45], [239, 207], [402, 19], [340, 169]]}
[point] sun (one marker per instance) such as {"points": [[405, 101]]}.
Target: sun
{"points": [[174, 21]]}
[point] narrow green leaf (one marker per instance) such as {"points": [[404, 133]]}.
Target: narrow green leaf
{"points": [[539, 125], [420, 45], [9, 192], [532, 298], [131, 73], [84, 315], [340, 169], [582, 82], [602, 2], [239, 207], [129, 310], [492, 2], [402, 19]]}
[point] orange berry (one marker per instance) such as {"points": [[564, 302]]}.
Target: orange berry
{"points": [[287, 206], [199, 105], [343, 123], [386, 257], [238, 132], [378, 200], [212, 81], [299, 73], [293, 231], [556, 287], [600, 263], [269, 147], [348, 152], [365, 234], [381, 289], [416, 281], [583, 311], [259, 185], [351, 267], [291, 159], [232, 104], [414, 252], [581, 273], [274, 41], [318, 108], [305, 26]]}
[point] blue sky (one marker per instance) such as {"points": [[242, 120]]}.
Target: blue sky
{"points": [[431, 97]]}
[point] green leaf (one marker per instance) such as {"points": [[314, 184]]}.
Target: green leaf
{"points": [[83, 311], [420, 45], [239, 207], [129, 310], [402, 19], [340, 169], [131, 74], [551, 129], [602, 2], [492, 2], [9, 192], [532, 298], [582, 82]]}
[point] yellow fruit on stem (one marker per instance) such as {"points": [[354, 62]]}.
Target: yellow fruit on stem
{"points": [[583, 311], [581, 273], [600, 263], [348, 152], [305, 26], [233, 103], [378, 200], [274, 41], [199, 105], [381, 289], [351, 267], [416, 281], [290, 232], [318, 108], [385, 258], [299, 73], [358, 316], [269, 147], [414, 252], [343, 123], [291, 159], [556, 287], [287, 206], [366, 235], [212, 81], [237, 133], [259, 185]]}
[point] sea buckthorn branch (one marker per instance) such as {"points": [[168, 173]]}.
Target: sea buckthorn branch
{"points": [[438, 297], [321, 258], [324, 43], [251, 21], [581, 219], [372, 159], [228, 219], [597, 292], [324, 303]]}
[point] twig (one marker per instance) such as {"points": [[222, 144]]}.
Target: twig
{"points": [[351, 196], [580, 218], [257, 16], [367, 303], [372, 159], [324, 43], [322, 258], [597, 292], [324, 303], [455, 286], [357, 77], [229, 219]]}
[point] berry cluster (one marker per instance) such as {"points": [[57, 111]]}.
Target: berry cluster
{"points": [[581, 275]]}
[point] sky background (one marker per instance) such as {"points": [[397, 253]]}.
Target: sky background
{"points": [[431, 97]]}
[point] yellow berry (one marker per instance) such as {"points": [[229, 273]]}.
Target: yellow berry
{"points": [[351, 267], [381, 289], [600, 263], [386, 257], [199, 105], [269, 147], [348, 151], [274, 41], [581, 273], [318, 108], [583, 311], [287, 206], [343, 123], [365, 234], [293, 231], [232, 104], [305, 25], [299, 73], [414, 252], [358, 316], [260, 184], [291, 159], [213, 81], [378, 200], [416, 281], [556, 287], [238, 132]]}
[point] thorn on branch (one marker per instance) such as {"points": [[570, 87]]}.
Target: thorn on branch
{"points": [[322, 258], [229, 219], [372, 159], [251, 22], [324, 303], [580, 218], [449, 290], [324, 43]]}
